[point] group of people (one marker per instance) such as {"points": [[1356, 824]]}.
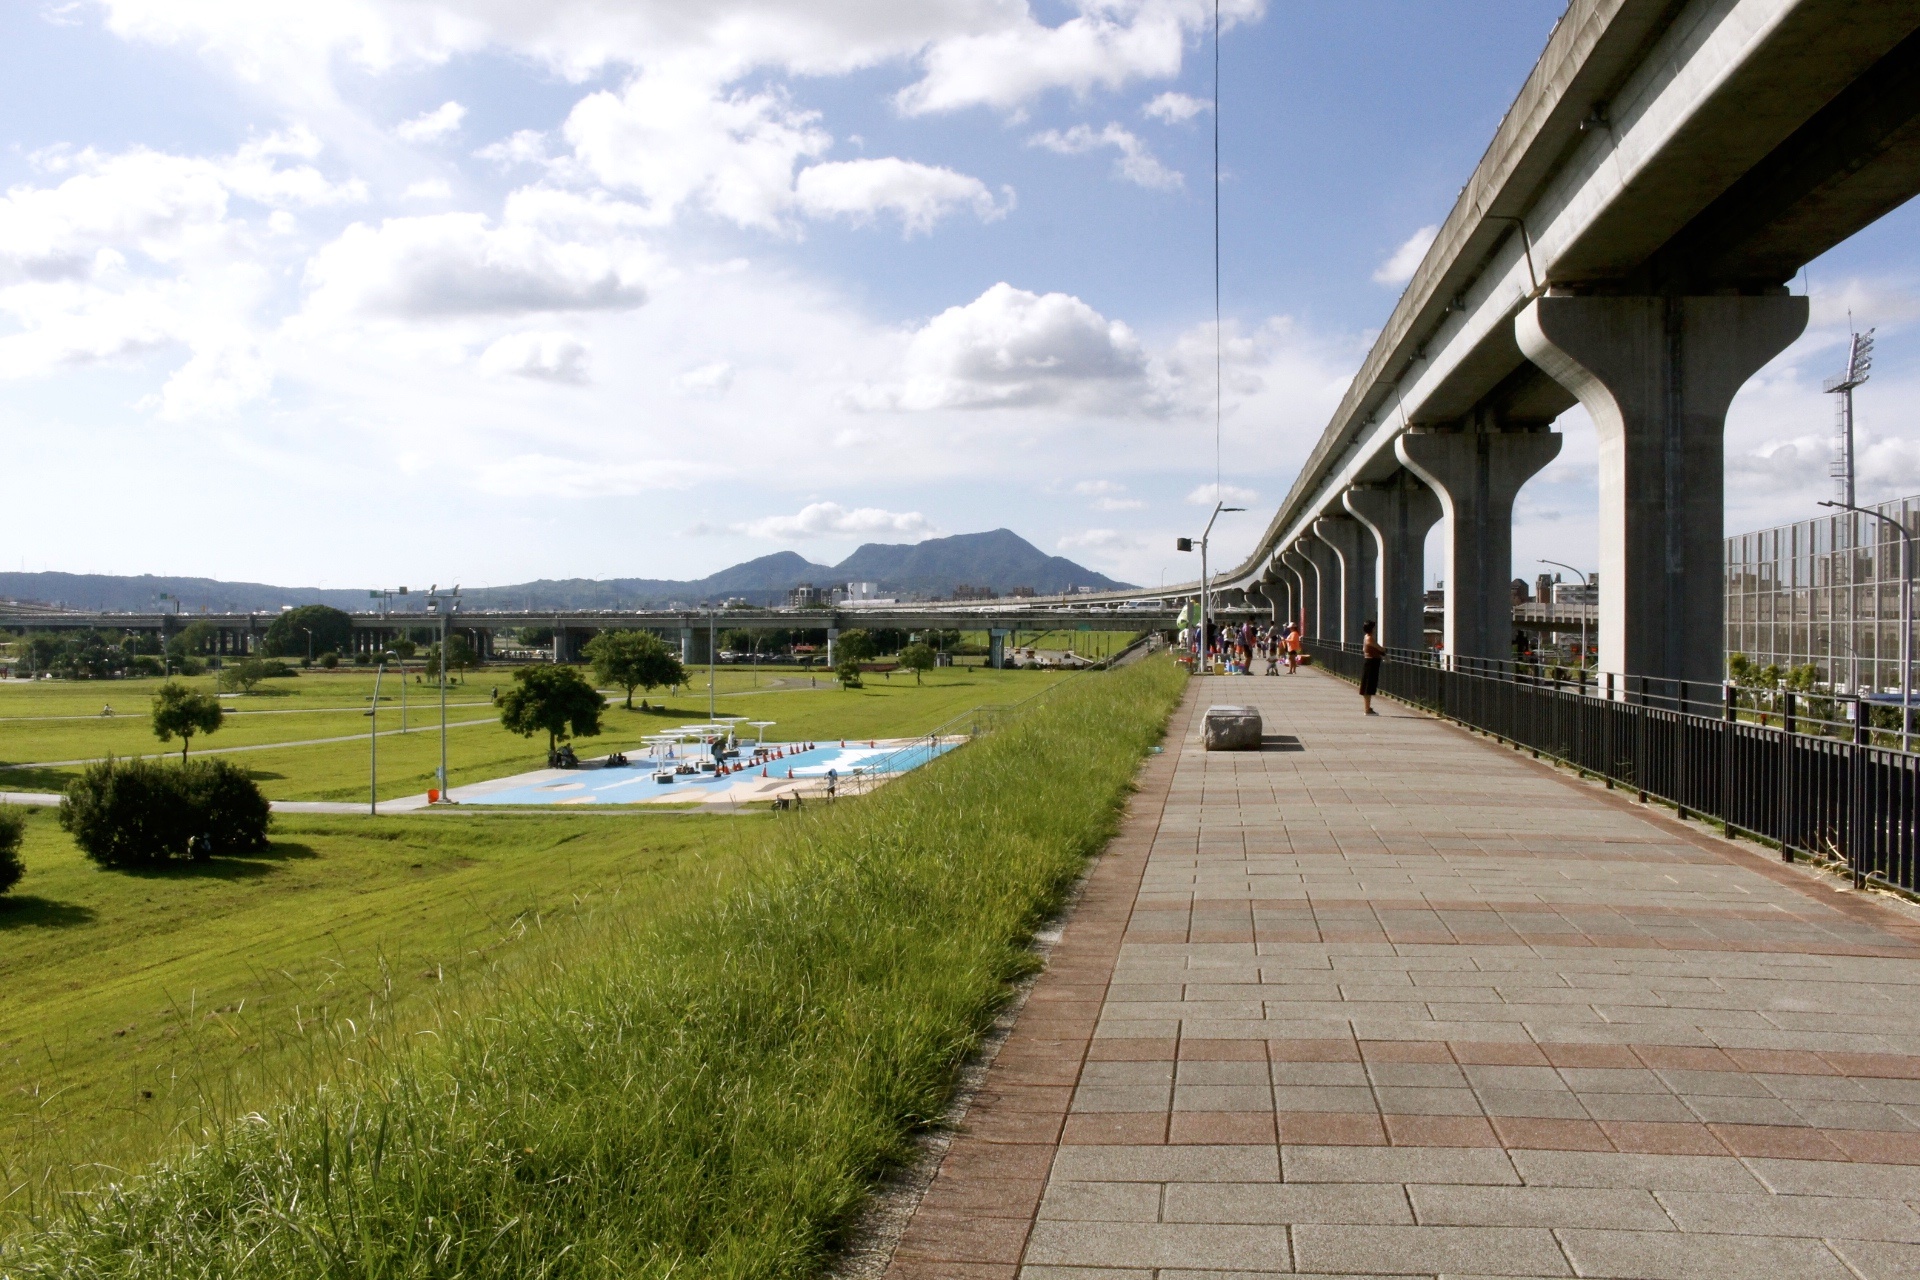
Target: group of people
{"points": [[1238, 647]]}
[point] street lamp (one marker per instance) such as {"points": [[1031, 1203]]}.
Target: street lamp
{"points": [[309, 631], [1586, 581], [1906, 615], [1206, 581], [445, 607]]}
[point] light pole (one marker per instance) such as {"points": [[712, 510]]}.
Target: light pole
{"points": [[1206, 582], [373, 740], [712, 709], [444, 606], [1906, 616], [309, 631], [1585, 581]]}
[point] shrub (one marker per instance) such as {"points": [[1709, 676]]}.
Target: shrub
{"points": [[13, 825], [142, 812], [329, 659]]}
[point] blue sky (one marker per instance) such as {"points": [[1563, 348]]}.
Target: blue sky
{"points": [[393, 290]]}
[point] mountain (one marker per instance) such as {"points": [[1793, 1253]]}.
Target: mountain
{"points": [[1000, 560]]}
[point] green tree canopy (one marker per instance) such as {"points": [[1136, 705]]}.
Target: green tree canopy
{"points": [[196, 638], [12, 827], [178, 710], [556, 699], [854, 646], [287, 636], [917, 658], [634, 660], [460, 656], [242, 676]]}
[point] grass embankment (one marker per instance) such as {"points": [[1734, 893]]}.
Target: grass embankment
{"points": [[141, 1005], [708, 1092], [48, 721]]}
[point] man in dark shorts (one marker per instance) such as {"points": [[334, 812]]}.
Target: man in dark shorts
{"points": [[1370, 655]]}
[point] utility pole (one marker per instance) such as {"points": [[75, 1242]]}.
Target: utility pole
{"points": [[373, 740], [1206, 581]]}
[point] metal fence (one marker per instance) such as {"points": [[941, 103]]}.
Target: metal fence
{"points": [[1763, 776]]}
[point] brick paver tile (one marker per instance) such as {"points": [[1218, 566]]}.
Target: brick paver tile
{"points": [[1485, 1019]]}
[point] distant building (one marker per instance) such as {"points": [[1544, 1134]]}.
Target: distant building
{"points": [[805, 596], [862, 591], [1023, 593], [1824, 592], [1520, 595], [964, 592]]}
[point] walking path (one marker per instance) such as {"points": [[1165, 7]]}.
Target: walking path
{"points": [[1386, 999]]}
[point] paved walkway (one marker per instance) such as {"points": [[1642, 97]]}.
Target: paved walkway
{"points": [[1387, 999]]}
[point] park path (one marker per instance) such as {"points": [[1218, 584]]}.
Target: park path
{"points": [[1387, 999]]}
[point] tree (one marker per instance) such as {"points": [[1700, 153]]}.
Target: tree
{"points": [[403, 648], [179, 710], [12, 827], [917, 658], [556, 699], [287, 636], [854, 646], [241, 676], [196, 639], [848, 673], [460, 656], [634, 660]]}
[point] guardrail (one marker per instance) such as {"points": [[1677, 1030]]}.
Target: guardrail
{"points": [[1808, 793]]}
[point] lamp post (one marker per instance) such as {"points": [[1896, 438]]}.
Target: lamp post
{"points": [[1906, 616], [444, 606], [309, 631], [373, 740], [1585, 581], [1206, 583]]}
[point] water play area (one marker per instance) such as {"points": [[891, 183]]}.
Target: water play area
{"points": [[708, 764]]}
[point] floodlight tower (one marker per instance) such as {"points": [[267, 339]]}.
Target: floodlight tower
{"points": [[1859, 367]]}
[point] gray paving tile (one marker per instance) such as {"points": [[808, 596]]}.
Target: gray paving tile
{"points": [[1463, 1165], [1625, 1209], [1475, 1251], [1167, 1164], [1672, 1255], [1208, 1247]]}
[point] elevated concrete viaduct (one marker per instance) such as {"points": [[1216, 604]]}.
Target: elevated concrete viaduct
{"points": [[1626, 242]]}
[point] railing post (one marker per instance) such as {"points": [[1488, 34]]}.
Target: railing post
{"points": [[1786, 777], [1857, 795], [1606, 734], [1640, 744], [1730, 716]]}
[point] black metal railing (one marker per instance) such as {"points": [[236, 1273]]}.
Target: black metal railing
{"points": [[1796, 784]]}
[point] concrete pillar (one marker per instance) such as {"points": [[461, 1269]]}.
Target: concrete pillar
{"points": [[686, 645], [1657, 375], [1399, 515], [833, 638], [1307, 611], [559, 643], [1290, 579], [1273, 589], [1353, 575], [1324, 591], [1476, 475]]}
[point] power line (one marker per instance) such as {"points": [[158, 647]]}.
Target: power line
{"points": [[1217, 381]]}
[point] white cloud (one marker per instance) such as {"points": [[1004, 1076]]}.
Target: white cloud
{"points": [[1009, 347], [1404, 261], [676, 137], [542, 475], [525, 146], [1175, 108], [1108, 540], [705, 381], [455, 264], [1208, 494], [919, 194], [830, 519], [1135, 163], [428, 189], [549, 357], [970, 52], [433, 125], [1104, 46], [1107, 496]]}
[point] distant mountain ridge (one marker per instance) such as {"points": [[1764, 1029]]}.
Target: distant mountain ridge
{"points": [[999, 560]]}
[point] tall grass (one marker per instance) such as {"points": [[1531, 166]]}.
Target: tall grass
{"points": [[707, 1093]]}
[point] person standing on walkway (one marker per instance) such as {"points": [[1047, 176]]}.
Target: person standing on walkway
{"points": [[1370, 655], [1293, 648]]}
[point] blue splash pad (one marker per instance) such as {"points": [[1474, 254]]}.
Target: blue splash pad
{"points": [[633, 783]]}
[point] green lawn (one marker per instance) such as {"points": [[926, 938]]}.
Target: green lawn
{"points": [[718, 1037], [142, 1003], [48, 721]]}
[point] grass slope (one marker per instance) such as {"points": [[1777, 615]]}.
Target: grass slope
{"points": [[708, 1092], [140, 1005]]}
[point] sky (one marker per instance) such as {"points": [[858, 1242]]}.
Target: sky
{"points": [[395, 291]]}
